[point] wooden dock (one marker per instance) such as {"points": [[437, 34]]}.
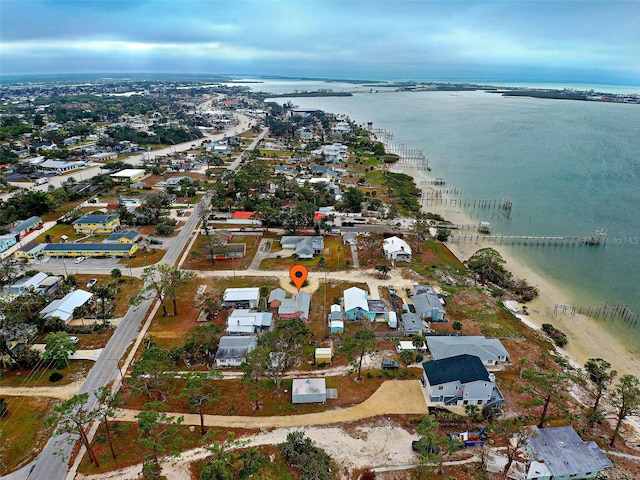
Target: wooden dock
{"points": [[529, 239], [607, 311]]}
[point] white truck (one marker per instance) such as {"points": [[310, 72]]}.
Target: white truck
{"points": [[41, 181]]}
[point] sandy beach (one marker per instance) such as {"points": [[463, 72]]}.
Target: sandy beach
{"points": [[587, 337]]}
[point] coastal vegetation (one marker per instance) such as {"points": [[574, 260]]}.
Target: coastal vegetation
{"points": [[558, 337]]}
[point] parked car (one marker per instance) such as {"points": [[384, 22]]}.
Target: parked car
{"points": [[80, 259], [74, 339], [389, 364], [92, 282], [155, 241]]}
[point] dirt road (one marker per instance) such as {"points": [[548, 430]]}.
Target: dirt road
{"points": [[393, 397]]}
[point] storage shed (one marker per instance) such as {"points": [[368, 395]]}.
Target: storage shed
{"points": [[309, 390], [323, 356]]}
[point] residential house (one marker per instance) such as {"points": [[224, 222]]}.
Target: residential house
{"points": [[230, 250], [246, 322], [412, 323], [111, 250], [559, 453], [7, 241], [59, 166], [93, 224], [460, 380], [63, 308], [308, 390], [16, 336], [340, 128], [40, 282], [241, 297], [396, 249], [303, 247], [232, 350], [297, 306], [123, 236], [29, 250], [128, 175], [24, 227], [489, 350], [355, 304], [379, 309], [427, 303]]}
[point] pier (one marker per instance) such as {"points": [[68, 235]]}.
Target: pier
{"points": [[607, 311], [528, 239]]}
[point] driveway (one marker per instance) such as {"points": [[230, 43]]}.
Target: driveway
{"points": [[394, 397]]}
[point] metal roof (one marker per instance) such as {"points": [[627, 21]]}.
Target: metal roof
{"points": [[562, 452], [95, 219], [488, 349], [87, 247]]}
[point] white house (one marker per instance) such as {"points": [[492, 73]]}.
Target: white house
{"points": [[356, 306], [242, 297], [460, 380], [232, 350], [395, 248], [246, 322], [63, 308], [309, 390]]}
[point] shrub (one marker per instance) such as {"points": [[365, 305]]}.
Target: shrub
{"points": [[55, 376], [419, 357]]}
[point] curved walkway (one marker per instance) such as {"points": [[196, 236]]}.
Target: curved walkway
{"points": [[394, 397]]}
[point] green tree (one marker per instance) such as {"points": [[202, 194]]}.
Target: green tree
{"points": [[149, 374], [600, 373], [457, 326], [108, 403], [432, 447], [104, 293], [171, 279], [418, 341], [352, 199], [625, 399], [229, 460], [152, 286], [72, 417], [547, 385], [59, 349], [116, 274], [420, 228], [383, 271], [302, 452], [357, 346], [488, 264], [158, 432], [472, 411], [407, 358], [198, 390], [443, 234]]}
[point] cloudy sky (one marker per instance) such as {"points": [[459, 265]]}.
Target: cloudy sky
{"points": [[562, 40]]}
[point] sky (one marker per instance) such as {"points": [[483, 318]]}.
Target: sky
{"points": [[592, 42]]}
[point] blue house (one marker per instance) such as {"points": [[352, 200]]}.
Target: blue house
{"points": [[7, 241], [356, 306]]}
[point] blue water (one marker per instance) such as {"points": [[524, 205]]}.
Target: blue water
{"points": [[569, 167]]}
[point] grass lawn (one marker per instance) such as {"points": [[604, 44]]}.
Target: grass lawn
{"points": [[143, 258], [76, 370], [23, 435], [200, 259], [57, 231]]}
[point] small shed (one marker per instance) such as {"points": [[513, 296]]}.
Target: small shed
{"points": [[337, 326], [309, 390], [323, 356], [393, 320]]}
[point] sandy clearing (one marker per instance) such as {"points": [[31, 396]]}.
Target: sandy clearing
{"points": [[393, 397], [63, 392]]}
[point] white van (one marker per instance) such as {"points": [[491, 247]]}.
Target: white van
{"points": [[41, 181]]}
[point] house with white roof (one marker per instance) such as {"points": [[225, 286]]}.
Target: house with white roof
{"points": [[63, 308], [396, 248], [308, 390], [245, 322], [232, 350], [40, 282], [356, 306], [241, 297]]}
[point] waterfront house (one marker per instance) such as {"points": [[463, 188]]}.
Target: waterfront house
{"points": [[460, 380], [560, 453], [489, 350], [396, 249], [93, 224]]}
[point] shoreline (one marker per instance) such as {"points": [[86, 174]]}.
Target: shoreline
{"points": [[587, 337]]}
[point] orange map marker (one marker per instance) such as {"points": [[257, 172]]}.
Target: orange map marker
{"points": [[298, 274]]}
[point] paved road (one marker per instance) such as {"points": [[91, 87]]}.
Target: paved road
{"points": [[106, 369]]}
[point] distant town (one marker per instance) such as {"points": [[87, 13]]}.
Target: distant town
{"points": [[151, 327]]}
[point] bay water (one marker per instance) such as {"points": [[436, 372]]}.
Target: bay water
{"points": [[569, 167]]}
